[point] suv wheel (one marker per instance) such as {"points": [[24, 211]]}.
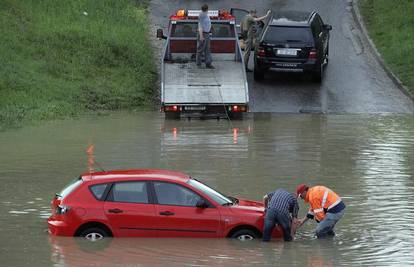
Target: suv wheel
{"points": [[245, 235], [258, 74], [94, 234], [317, 76]]}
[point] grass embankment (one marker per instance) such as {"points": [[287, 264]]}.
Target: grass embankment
{"points": [[64, 58], [391, 26]]}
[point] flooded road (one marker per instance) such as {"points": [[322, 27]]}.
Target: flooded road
{"points": [[368, 160]]}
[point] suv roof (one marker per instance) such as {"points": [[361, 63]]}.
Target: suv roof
{"points": [[136, 173], [291, 18]]}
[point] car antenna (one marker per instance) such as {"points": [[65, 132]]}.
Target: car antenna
{"points": [[91, 160]]}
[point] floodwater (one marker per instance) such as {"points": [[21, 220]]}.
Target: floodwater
{"points": [[368, 160]]}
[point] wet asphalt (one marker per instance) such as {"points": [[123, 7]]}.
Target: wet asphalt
{"points": [[354, 81]]}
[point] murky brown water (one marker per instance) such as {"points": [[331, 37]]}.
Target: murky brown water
{"points": [[368, 160]]}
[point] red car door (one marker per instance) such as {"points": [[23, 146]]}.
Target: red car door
{"points": [[178, 215], [129, 211]]}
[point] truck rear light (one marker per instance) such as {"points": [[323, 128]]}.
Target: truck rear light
{"points": [[238, 108], [261, 51], [173, 108], [313, 54]]}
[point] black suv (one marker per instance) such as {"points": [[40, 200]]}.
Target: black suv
{"points": [[292, 41]]}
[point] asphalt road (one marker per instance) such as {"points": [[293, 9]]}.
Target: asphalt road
{"points": [[354, 81]]}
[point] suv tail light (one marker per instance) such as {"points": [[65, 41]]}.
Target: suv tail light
{"points": [[313, 54], [261, 51]]}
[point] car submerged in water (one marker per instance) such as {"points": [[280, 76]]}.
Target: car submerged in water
{"points": [[151, 203]]}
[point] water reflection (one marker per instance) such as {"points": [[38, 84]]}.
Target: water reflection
{"points": [[368, 160]]}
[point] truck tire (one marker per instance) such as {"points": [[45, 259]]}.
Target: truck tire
{"points": [[172, 115]]}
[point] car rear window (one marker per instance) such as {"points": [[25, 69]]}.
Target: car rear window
{"points": [[189, 30], [283, 34], [133, 192], [98, 190], [70, 187]]}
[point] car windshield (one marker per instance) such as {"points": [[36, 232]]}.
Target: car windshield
{"points": [[213, 194], [283, 34], [70, 187]]}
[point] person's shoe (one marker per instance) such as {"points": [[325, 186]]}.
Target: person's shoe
{"points": [[331, 233], [248, 70], [210, 67]]}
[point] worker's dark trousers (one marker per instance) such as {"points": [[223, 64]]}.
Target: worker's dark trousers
{"points": [[274, 217], [203, 50]]}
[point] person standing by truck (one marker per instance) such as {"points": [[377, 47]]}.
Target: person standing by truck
{"points": [[203, 42], [248, 33]]}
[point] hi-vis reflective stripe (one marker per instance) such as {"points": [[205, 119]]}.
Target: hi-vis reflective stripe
{"points": [[325, 196], [334, 204], [317, 210]]}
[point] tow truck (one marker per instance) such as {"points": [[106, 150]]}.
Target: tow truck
{"points": [[190, 91]]}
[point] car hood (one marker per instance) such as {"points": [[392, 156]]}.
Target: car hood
{"points": [[249, 205]]}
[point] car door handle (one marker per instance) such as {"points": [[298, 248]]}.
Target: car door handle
{"points": [[167, 213], [115, 211]]}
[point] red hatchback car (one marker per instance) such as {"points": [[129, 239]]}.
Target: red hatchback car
{"points": [[151, 203]]}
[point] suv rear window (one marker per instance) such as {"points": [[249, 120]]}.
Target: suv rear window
{"points": [[70, 187], [283, 34]]}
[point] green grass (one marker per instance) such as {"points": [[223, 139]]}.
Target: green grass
{"points": [[57, 61], [391, 26]]}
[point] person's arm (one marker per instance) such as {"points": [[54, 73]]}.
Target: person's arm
{"points": [[200, 32], [263, 17], [295, 221], [265, 200]]}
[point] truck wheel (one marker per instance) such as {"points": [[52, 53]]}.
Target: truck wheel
{"points": [[245, 235], [172, 115], [258, 74], [94, 234]]}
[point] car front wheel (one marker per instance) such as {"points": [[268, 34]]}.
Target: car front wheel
{"points": [[244, 235], [94, 234]]}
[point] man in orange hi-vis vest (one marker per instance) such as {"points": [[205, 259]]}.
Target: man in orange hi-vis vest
{"points": [[326, 207]]}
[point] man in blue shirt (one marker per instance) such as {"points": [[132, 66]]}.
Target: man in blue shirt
{"points": [[281, 208], [203, 42]]}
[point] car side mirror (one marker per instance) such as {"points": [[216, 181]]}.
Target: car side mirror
{"points": [[160, 34], [327, 27], [202, 204]]}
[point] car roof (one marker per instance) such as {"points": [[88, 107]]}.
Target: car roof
{"points": [[147, 174], [291, 18]]}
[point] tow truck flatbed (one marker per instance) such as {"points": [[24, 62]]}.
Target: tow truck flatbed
{"points": [[188, 90]]}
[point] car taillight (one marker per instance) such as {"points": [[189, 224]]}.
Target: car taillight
{"points": [[174, 108], [261, 51], [62, 209], [313, 54], [238, 108]]}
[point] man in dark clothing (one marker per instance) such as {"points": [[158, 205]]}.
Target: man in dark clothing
{"points": [[247, 29], [282, 209]]}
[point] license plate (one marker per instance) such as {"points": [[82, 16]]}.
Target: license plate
{"points": [[198, 108], [287, 52]]}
